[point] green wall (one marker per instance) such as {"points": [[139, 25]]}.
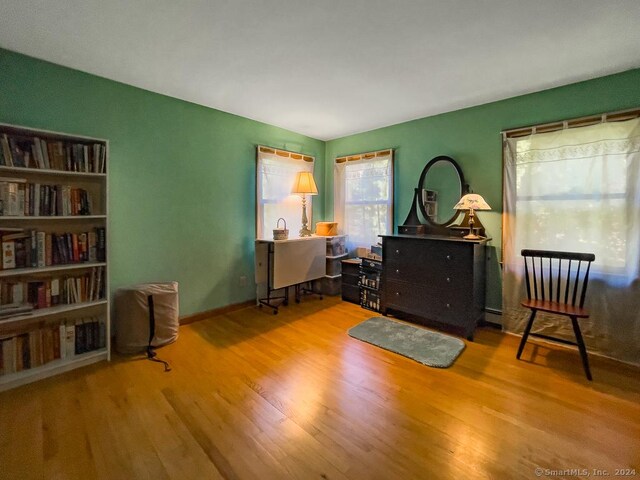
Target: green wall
{"points": [[181, 176], [472, 137], [182, 179]]}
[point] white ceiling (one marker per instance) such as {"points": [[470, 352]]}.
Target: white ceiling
{"points": [[330, 68]]}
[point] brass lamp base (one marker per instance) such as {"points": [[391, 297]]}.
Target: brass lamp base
{"points": [[304, 231], [471, 235]]}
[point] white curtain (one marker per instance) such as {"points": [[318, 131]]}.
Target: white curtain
{"points": [[363, 199], [274, 182], [578, 190]]}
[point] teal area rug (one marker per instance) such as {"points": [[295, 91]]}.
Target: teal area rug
{"points": [[424, 346]]}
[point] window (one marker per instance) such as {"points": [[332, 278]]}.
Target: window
{"points": [[275, 174], [363, 197], [576, 190]]}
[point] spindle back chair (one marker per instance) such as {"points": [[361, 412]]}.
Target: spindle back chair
{"points": [[557, 283]]}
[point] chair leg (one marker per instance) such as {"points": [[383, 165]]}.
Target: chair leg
{"points": [[581, 347], [525, 335]]}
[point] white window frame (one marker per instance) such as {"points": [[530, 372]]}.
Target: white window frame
{"points": [[289, 163], [342, 165]]}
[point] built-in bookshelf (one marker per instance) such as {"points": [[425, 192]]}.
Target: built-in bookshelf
{"points": [[54, 276]]}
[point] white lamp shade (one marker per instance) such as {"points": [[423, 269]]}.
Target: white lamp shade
{"points": [[472, 201], [305, 183]]}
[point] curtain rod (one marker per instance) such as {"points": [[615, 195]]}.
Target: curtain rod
{"points": [[286, 153], [364, 156], [618, 116]]}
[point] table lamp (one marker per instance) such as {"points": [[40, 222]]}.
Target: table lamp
{"points": [[472, 202], [305, 185]]}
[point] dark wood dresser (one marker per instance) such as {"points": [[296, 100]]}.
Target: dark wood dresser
{"points": [[435, 277]]}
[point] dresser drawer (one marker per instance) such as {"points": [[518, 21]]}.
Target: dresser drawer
{"points": [[451, 285], [406, 297], [422, 262], [425, 302]]}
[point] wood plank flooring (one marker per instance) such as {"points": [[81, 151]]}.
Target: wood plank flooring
{"points": [[292, 396]]}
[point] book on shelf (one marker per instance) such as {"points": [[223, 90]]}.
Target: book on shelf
{"points": [[37, 249], [12, 309], [52, 154], [6, 151], [21, 198], [23, 355], [20, 151], [8, 347], [70, 339], [19, 296], [62, 339], [101, 244], [12, 195], [8, 255]]}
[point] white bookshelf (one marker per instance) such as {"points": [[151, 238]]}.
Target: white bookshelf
{"points": [[55, 367], [48, 171], [16, 272], [86, 308], [54, 218], [50, 311]]}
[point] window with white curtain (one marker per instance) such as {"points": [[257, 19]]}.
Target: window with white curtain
{"points": [[578, 189], [363, 197], [275, 174]]}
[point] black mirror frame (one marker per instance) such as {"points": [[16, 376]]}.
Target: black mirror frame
{"points": [[464, 188]]}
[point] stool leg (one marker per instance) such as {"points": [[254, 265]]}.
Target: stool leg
{"points": [[525, 335], [581, 347]]}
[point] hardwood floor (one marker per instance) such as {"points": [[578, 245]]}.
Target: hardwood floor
{"points": [[253, 395]]}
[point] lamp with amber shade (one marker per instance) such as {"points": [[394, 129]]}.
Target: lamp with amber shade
{"points": [[305, 185]]}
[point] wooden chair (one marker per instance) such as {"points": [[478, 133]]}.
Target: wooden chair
{"points": [[552, 287]]}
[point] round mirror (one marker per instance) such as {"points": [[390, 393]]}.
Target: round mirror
{"points": [[441, 185]]}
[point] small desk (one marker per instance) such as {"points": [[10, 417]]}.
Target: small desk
{"points": [[283, 263]]}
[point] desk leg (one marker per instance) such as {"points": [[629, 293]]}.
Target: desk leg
{"points": [[301, 290], [268, 301]]}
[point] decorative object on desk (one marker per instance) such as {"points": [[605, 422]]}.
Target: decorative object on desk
{"points": [[424, 346], [281, 233], [327, 229], [305, 185], [472, 202]]}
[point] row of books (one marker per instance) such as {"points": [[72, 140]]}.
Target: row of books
{"points": [[34, 249], [19, 198], [35, 152], [51, 342], [45, 293]]}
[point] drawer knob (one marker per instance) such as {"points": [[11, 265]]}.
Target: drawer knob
{"points": [[448, 257], [398, 251], [397, 270], [448, 305], [397, 294], [448, 280]]}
